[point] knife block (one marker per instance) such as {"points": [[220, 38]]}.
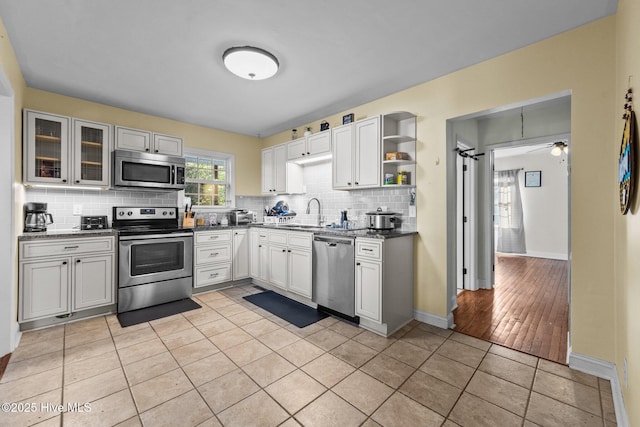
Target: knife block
{"points": [[188, 222]]}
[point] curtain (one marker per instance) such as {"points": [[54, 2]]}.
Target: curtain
{"points": [[509, 224]]}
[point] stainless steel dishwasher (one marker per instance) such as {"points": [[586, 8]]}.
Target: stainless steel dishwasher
{"points": [[334, 275]]}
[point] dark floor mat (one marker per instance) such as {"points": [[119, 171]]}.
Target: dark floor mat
{"points": [[285, 308], [147, 314]]}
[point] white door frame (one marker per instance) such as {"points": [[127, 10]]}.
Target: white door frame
{"points": [[489, 225], [9, 329], [466, 207]]}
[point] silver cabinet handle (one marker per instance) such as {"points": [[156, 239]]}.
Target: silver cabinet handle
{"points": [[213, 274], [72, 247], [213, 237], [214, 253], [368, 250]]}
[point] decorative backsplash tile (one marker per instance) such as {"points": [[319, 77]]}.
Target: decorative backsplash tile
{"points": [[317, 178]]}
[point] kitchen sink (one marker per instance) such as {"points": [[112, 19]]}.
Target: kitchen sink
{"points": [[301, 226]]}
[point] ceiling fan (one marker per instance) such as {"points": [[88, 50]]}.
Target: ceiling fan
{"points": [[557, 148]]}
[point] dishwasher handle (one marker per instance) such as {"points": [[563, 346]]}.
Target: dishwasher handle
{"points": [[334, 241]]}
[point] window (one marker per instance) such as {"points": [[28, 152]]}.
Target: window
{"points": [[209, 178]]}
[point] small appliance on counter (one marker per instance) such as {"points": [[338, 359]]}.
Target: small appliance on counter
{"points": [[94, 222], [36, 217], [381, 220], [240, 216]]}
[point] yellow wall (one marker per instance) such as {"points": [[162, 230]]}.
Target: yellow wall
{"points": [[627, 228], [245, 148], [583, 61]]}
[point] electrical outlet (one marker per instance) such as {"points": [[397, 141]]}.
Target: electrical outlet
{"points": [[625, 373], [77, 209], [412, 211]]}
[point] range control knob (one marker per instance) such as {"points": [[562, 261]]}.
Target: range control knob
{"points": [[120, 213], [164, 213], [130, 213]]}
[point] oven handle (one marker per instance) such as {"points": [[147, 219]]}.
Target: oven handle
{"points": [[155, 236]]}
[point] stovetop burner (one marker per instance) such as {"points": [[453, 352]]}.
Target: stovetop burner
{"points": [[146, 220]]}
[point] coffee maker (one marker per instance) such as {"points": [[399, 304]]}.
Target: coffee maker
{"points": [[36, 217]]}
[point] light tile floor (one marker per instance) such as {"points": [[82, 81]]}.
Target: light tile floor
{"points": [[231, 363]]}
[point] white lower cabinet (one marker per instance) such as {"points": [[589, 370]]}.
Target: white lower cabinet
{"points": [[63, 276], [213, 255], [259, 254], [240, 254], [93, 284], [282, 259], [44, 289], [369, 289], [384, 283]]}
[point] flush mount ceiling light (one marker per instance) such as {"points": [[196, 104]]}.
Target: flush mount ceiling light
{"points": [[251, 63]]}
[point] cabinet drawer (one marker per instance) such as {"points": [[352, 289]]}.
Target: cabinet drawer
{"points": [[213, 236], [206, 276], [263, 236], [278, 237], [57, 247], [300, 240], [369, 249], [212, 254]]}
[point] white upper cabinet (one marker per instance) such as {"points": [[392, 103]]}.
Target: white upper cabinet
{"points": [[342, 157], [46, 148], [91, 149], [278, 175], [367, 153], [142, 140], [65, 151], [308, 146], [356, 155]]}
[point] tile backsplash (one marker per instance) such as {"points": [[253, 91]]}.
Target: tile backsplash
{"points": [[317, 178], [98, 202]]}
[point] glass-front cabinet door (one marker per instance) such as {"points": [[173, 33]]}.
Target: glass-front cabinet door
{"points": [[47, 148], [91, 143]]}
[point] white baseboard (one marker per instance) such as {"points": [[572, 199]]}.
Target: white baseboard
{"points": [[606, 370], [548, 255], [433, 319]]}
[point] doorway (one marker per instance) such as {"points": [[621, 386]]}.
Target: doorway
{"points": [[498, 309], [527, 306]]}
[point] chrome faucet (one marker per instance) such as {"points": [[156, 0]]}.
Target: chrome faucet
{"points": [[319, 209]]}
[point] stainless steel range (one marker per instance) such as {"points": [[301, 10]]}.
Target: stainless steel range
{"points": [[155, 257]]}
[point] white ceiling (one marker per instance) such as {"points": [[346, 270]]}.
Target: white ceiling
{"points": [[164, 57]]}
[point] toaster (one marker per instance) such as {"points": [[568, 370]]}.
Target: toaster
{"points": [[93, 222], [240, 216]]}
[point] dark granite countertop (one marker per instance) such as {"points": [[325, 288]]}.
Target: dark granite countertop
{"points": [[66, 234], [362, 233]]}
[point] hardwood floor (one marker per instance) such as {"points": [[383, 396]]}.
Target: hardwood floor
{"points": [[4, 361], [527, 310]]}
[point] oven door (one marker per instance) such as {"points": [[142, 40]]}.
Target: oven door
{"points": [[154, 258]]}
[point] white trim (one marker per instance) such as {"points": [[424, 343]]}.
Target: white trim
{"points": [[607, 370], [433, 319], [9, 329], [230, 159], [548, 255]]}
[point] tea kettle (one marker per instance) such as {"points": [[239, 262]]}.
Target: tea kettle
{"points": [[36, 217]]}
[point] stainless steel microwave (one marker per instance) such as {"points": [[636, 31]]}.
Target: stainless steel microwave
{"points": [[147, 170]]}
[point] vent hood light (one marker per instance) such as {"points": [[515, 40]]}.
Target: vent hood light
{"points": [[250, 63]]}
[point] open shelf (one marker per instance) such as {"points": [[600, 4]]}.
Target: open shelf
{"points": [[398, 138], [398, 162]]}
